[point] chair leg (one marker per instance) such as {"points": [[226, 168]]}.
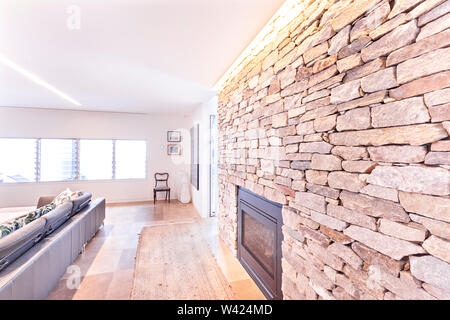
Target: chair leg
{"points": [[169, 196], [154, 197]]}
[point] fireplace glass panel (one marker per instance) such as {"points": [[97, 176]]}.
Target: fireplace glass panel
{"points": [[259, 240]]}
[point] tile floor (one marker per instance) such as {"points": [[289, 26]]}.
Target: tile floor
{"points": [[107, 265]]}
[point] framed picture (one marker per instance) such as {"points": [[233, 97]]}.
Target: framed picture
{"points": [[173, 149], [173, 136]]}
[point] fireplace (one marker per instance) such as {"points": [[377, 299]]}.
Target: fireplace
{"points": [[259, 241]]}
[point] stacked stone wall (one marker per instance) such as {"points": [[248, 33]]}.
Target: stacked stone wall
{"points": [[345, 119]]}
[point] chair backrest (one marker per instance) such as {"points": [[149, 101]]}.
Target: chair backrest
{"points": [[161, 178]]}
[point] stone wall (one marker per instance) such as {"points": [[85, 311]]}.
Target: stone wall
{"points": [[344, 119]]}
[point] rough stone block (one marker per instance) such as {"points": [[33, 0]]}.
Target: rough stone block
{"points": [[380, 192], [358, 166], [325, 162], [349, 62], [316, 177], [325, 123], [339, 41], [413, 135], [438, 158], [365, 70], [392, 247], [397, 38], [374, 207], [322, 190], [351, 13], [418, 179], [316, 147], [434, 27], [425, 205], [335, 235], [435, 13], [418, 48], [356, 119], [350, 153], [324, 63], [404, 287], [346, 181], [437, 97], [401, 6], [279, 120], [383, 79], [346, 92], [346, 254], [408, 111], [431, 270], [328, 221], [317, 113], [401, 231], [353, 47], [436, 227], [388, 26], [424, 65], [312, 201], [438, 247], [351, 217], [315, 52], [420, 86], [372, 257], [403, 154]]}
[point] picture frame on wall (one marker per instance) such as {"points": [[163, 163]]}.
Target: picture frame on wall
{"points": [[173, 149], [173, 136]]}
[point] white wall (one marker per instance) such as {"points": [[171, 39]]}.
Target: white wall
{"points": [[200, 198], [45, 123]]}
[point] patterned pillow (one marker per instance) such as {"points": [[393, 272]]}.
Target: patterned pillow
{"points": [[66, 196], [9, 227], [19, 222]]}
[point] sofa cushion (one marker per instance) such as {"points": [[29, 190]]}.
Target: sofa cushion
{"points": [[17, 243], [57, 217], [80, 202]]}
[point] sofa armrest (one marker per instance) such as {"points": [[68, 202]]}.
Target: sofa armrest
{"points": [[44, 201]]}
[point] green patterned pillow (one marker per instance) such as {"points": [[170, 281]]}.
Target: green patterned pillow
{"points": [[9, 227], [19, 222]]}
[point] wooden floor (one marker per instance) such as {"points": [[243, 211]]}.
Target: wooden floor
{"points": [[106, 267], [167, 254]]}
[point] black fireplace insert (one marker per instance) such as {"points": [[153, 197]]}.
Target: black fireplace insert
{"points": [[259, 241]]}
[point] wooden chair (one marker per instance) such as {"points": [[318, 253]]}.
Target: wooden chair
{"points": [[161, 178]]}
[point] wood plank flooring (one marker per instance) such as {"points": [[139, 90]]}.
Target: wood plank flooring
{"points": [[175, 262], [107, 265]]}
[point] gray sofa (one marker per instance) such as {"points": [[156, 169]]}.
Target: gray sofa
{"points": [[36, 256]]}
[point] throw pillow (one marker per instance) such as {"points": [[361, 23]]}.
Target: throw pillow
{"points": [[19, 222], [66, 196]]}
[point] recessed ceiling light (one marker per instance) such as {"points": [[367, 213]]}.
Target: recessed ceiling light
{"points": [[287, 12], [7, 62]]}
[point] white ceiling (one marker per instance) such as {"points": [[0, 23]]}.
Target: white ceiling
{"points": [[151, 56]]}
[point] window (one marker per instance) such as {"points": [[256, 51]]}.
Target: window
{"points": [[17, 160], [130, 159], [58, 160], [96, 159], [47, 160]]}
